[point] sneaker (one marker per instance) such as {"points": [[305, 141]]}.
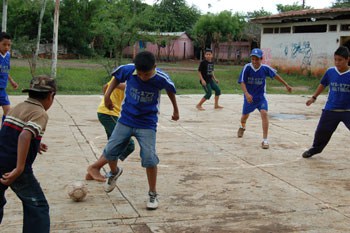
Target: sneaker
{"points": [[152, 202], [240, 132], [265, 145], [112, 179], [307, 154]]}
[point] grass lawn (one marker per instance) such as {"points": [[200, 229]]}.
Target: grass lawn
{"points": [[83, 77]]}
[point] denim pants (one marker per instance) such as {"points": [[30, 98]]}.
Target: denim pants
{"points": [[120, 139], [109, 122], [35, 207]]}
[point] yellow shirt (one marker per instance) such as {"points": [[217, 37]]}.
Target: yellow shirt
{"points": [[117, 98]]}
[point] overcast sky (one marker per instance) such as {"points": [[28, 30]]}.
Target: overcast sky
{"points": [[244, 6]]}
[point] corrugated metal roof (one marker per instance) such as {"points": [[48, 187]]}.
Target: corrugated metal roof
{"points": [[290, 16]]}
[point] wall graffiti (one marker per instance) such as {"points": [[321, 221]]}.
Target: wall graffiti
{"points": [[304, 49]]}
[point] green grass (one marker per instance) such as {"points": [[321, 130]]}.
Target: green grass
{"points": [[72, 78]]}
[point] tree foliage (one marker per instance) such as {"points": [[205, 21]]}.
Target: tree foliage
{"points": [[341, 4], [294, 7]]}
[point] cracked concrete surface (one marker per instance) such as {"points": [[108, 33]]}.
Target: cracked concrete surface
{"points": [[209, 180]]}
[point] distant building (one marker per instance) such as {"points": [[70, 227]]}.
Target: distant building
{"points": [[165, 45], [304, 41]]}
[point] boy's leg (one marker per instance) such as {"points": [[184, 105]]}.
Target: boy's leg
{"points": [[241, 129], [207, 89], [265, 123], [149, 160], [115, 146], [6, 109], [217, 90], [328, 123], [35, 207], [93, 171]]}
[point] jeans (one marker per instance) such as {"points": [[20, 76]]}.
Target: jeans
{"points": [[35, 207], [120, 139], [109, 122]]}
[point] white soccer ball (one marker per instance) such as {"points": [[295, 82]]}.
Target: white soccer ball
{"points": [[77, 191]]}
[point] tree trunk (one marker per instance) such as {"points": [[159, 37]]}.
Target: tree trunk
{"points": [[55, 39], [35, 57], [4, 15]]}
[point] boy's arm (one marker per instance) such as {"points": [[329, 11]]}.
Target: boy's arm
{"points": [[201, 79], [213, 75], [172, 98], [280, 79], [22, 151], [13, 83], [318, 91], [248, 96], [107, 96]]}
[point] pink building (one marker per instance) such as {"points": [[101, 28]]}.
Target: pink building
{"points": [[165, 45]]}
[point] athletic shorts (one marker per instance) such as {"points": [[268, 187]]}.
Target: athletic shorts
{"points": [[4, 98], [250, 107]]}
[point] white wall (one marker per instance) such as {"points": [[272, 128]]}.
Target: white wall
{"points": [[302, 52]]}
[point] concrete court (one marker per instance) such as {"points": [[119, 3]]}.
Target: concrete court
{"points": [[209, 180]]}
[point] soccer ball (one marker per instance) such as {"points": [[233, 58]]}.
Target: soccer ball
{"points": [[77, 191]]}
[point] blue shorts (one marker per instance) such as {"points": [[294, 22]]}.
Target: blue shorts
{"points": [[120, 138], [4, 98], [250, 107]]}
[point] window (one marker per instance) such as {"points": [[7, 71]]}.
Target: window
{"points": [[277, 30], [332, 28], [268, 30], [310, 29], [345, 27], [285, 30]]}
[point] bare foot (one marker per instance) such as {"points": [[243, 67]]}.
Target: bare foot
{"points": [[94, 174], [200, 108], [218, 107]]}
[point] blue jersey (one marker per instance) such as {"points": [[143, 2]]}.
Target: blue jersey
{"points": [[4, 69], [140, 106], [255, 80], [339, 89]]}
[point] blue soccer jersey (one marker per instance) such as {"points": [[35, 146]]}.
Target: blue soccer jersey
{"points": [[142, 98], [4, 69], [339, 89], [255, 80]]}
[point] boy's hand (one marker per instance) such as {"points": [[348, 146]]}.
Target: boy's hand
{"points": [[289, 88], [175, 116], [249, 97], [14, 85], [203, 82], [310, 101], [43, 148], [217, 81], [9, 177], [108, 103]]}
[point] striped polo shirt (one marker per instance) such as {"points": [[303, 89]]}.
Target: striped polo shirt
{"points": [[29, 115]]}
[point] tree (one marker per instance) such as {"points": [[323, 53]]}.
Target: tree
{"points": [[172, 16], [36, 54], [4, 16], [341, 4], [294, 7], [55, 39]]}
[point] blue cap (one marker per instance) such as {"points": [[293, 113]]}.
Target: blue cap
{"points": [[257, 52]]}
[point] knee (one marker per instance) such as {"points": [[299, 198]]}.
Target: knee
{"points": [[207, 95]]}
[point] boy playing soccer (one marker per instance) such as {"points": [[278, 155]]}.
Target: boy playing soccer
{"points": [[5, 46], [20, 141], [139, 117], [109, 118], [208, 80], [337, 108], [253, 84]]}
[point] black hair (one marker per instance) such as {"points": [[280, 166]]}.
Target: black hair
{"points": [[144, 61], [208, 50], [4, 35], [343, 52]]}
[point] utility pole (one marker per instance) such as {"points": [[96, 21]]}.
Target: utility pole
{"points": [[55, 39], [4, 16]]}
